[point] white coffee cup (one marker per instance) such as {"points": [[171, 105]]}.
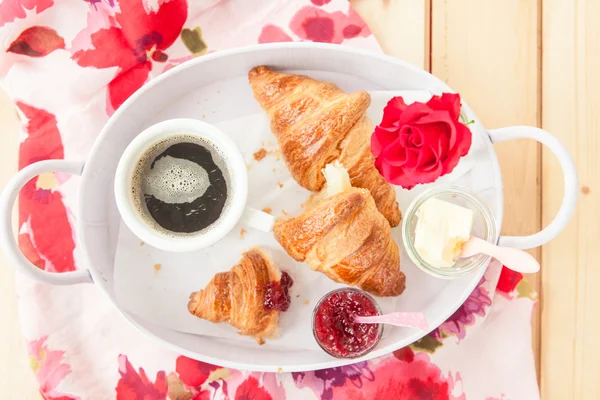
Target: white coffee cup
{"points": [[237, 193]]}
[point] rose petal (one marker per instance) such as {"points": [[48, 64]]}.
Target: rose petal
{"points": [[380, 139], [396, 176], [378, 161], [393, 110], [395, 154], [413, 113], [443, 148], [463, 139], [428, 160], [412, 158], [416, 138], [404, 134], [436, 116], [396, 102], [447, 101], [428, 176], [392, 128], [417, 175], [449, 163], [441, 118], [432, 135]]}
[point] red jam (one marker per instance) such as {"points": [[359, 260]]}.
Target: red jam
{"points": [[277, 296], [334, 325]]}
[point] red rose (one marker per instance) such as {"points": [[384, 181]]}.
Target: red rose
{"points": [[420, 142]]}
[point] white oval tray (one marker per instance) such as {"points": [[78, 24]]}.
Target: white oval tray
{"points": [[217, 90]]}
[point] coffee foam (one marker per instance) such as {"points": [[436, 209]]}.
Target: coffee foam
{"points": [[176, 180]]}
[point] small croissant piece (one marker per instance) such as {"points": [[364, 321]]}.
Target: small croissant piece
{"points": [[316, 123], [346, 238], [238, 297]]}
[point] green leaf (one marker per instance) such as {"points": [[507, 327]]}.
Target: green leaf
{"points": [[427, 343], [524, 289], [193, 40]]}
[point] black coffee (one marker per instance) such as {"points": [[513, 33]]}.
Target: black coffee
{"points": [[180, 185]]}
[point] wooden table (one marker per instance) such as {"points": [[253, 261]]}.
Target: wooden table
{"points": [[530, 62]]}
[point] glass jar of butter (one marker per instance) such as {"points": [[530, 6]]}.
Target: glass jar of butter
{"points": [[483, 227]]}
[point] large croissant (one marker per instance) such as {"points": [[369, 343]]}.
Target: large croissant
{"points": [[238, 297], [347, 239], [316, 123]]}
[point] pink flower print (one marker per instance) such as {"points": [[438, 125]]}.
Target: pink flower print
{"points": [[475, 305], [323, 381], [48, 242], [49, 368], [15, 9], [396, 379], [273, 34], [111, 3], [317, 25], [134, 385], [137, 38], [251, 389], [192, 372]]}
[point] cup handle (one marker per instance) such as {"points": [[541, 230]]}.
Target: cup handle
{"points": [[258, 220], [569, 175], [8, 241]]}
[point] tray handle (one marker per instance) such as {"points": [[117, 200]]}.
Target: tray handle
{"points": [[8, 241], [569, 201]]}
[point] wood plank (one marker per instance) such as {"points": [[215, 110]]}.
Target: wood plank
{"points": [[488, 52], [571, 100], [390, 20]]}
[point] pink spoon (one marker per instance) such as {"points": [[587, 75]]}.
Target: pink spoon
{"points": [[515, 259], [405, 319]]}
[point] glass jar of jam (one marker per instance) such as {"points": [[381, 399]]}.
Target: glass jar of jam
{"points": [[334, 327]]}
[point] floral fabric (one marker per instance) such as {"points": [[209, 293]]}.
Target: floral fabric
{"points": [[68, 65]]}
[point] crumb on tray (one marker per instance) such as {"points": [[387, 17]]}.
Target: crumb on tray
{"points": [[268, 210], [242, 233], [260, 154], [307, 302], [157, 268]]}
